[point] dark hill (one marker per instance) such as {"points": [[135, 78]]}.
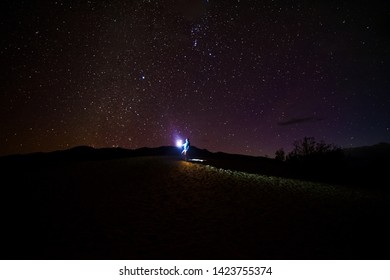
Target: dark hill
{"points": [[375, 152], [85, 153], [87, 203], [362, 166], [367, 165]]}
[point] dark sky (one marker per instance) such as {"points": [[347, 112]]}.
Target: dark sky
{"points": [[235, 76]]}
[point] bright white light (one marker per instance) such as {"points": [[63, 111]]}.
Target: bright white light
{"points": [[179, 143], [196, 159]]}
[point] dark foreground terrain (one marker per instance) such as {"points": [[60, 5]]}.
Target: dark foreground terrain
{"points": [[159, 207]]}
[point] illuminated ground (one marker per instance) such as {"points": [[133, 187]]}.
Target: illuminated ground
{"points": [[163, 208]]}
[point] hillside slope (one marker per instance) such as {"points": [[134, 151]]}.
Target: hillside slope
{"points": [[164, 208]]}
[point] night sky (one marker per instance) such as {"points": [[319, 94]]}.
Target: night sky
{"points": [[244, 77]]}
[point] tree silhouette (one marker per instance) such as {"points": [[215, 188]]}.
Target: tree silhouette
{"points": [[280, 155], [309, 149]]}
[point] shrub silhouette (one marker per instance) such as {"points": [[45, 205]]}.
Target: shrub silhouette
{"points": [[308, 148], [316, 159], [280, 155]]}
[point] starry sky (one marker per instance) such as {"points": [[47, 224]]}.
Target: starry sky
{"points": [[245, 77]]}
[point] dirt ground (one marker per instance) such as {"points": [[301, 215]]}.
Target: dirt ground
{"points": [[164, 208]]}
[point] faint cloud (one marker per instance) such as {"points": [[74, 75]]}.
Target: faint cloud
{"points": [[299, 120]]}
